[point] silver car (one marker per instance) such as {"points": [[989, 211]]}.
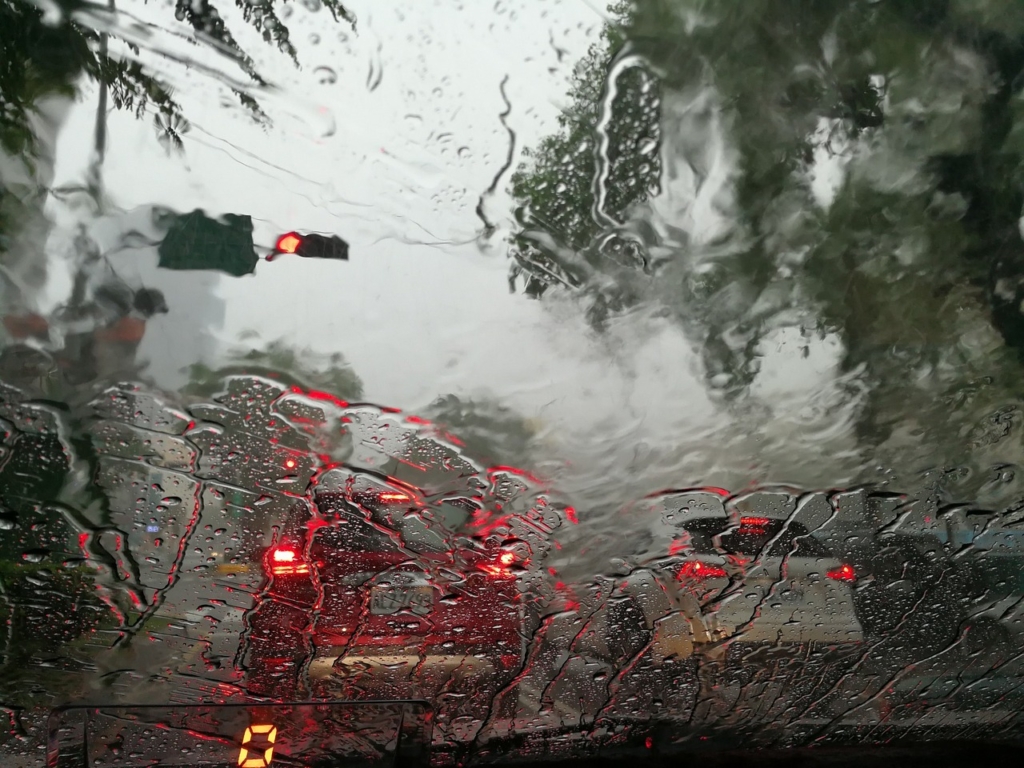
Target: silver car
{"points": [[717, 574]]}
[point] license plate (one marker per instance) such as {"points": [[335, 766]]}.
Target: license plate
{"points": [[392, 599], [232, 568]]}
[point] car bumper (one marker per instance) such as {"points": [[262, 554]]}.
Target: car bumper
{"points": [[383, 664]]}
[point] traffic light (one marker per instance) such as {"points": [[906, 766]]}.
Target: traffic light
{"points": [[312, 246]]}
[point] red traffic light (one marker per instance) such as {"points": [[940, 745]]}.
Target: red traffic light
{"points": [[312, 246], [288, 243]]}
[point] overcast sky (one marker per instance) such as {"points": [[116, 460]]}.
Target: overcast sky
{"points": [[388, 136]]}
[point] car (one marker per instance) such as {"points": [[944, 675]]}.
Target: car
{"points": [[352, 545], [931, 579], [384, 584], [380, 586], [717, 573]]}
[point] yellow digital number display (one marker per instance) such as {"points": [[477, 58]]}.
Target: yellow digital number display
{"points": [[258, 742]]}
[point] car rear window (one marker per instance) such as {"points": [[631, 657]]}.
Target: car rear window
{"points": [[422, 529], [455, 513], [750, 538], [349, 529]]}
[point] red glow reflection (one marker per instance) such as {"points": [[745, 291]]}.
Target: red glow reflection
{"points": [[843, 573], [697, 570], [288, 243]]}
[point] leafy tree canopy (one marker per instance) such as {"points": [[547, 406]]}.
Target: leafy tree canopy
{"points": [[851, 169], [41, 59], [279, 361], [490, 432]]}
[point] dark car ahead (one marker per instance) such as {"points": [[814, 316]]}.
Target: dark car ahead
{"points": [[389, 592]]}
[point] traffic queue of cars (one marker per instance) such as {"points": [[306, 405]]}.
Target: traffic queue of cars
{"points": [[406, 562], [378, 559], [715, 574], [392, 564], [390, 583]]}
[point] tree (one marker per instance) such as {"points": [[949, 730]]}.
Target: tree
{"points": [[577, 186], [41, 59], [848, 169], [487, 431], [278, 361], [48, 598]]}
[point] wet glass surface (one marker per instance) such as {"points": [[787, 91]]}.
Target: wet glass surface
{"points": [[641, 377]]}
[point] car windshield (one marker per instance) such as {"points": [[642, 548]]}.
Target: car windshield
{"points": [[472, 381], [753, 537]]}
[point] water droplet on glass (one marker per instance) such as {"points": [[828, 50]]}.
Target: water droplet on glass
{"points": [[325, 75]]}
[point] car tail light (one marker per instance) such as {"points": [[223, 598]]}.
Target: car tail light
{"points": [[287, 561], [843, 573], [501, 566], [394, 497], [695, 569]]}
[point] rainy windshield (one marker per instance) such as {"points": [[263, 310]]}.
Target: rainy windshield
{"points": [[464, 382]]}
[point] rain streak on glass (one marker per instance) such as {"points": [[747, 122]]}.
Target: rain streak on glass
{"points": [[455, 382]]}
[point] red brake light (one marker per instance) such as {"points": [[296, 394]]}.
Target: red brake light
{"points": [[285, 561], [502, 566], [698, 570], [843, 573], [754, 526], [288, 243], [394, 496], [289, 464]]}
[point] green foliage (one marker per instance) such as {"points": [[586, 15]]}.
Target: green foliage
{"points": [[133, 90], [203, 17], [914, 258], [491, 433], [576, 187], [278, 361], [40, 59]]}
